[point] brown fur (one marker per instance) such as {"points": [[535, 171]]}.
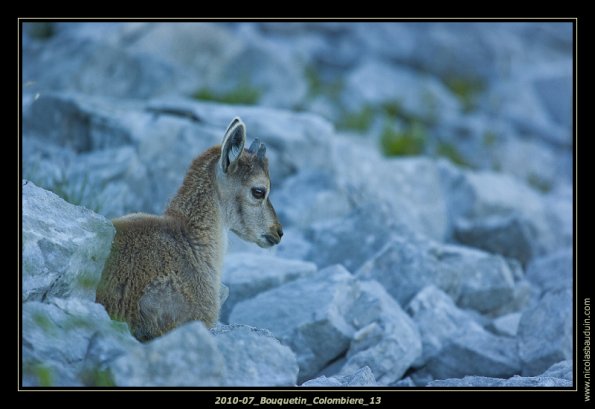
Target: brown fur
{"points": [[165, 270]]}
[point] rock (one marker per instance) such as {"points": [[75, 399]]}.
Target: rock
{"points": [[454, 345], [253, 357], [506, 325], [95, 67], [308, 314], [294, 140], [104, 348], [518, 213], [514, 382], [552, 272], [438, 320], [81, 123], [476, 352], [64, 246], [154, 143], [294, 245], [386, 340], [410, 188], [186, 356], [562, 370], [545, 171], [56, 338], [510, 236], [420, 96], [248, 275], [408, 263], [308, 197], [404, 383], [333, 240], [361, 377], [323, 381], [486, 280], [545, 332], [560, 203]]}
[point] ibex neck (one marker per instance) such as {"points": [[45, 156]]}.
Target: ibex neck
{"points": [[197, 203]]}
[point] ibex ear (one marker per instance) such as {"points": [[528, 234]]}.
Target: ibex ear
{"points": [[235, 121], [232, 145]]}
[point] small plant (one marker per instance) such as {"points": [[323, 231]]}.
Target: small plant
{"points": [[44, 374], [97, 377], [358, 121], [489, 139], [44, 322], [86, 281], [243, 94], [466, 90], [538, 183], [318, 86], [410, 141], [79, 192], [449, 151], [41, 30]]}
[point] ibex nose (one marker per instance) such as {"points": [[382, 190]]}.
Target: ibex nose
{"points": [[280, 231]]}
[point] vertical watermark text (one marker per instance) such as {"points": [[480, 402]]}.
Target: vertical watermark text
{"points": [[587, 348]]}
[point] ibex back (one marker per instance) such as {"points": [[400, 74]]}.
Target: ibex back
{"points": [[166, 270]]}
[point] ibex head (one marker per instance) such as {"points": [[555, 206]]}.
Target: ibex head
{"points": [[244, 186]]}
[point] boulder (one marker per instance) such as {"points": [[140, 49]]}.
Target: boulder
{"points": [[545, 332], [186, 356], [253, 357], [438, 320], [64, 246], [333, 240], [498, 212], [410, 188], [95, 67], [57, 339], [248, 275], [475, 279], [310, 196], [476, 352], [310, 315], [418, 95], [454, 344], [387, 340], [510, 235], [514, 382], [552, 272], [506, 325], [561, 370], [361, 377]]}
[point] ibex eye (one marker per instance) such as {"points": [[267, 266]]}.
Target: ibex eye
{"points": [[258, 192]]}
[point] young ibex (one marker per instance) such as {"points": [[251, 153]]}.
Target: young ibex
{"points": [[165, 270]]}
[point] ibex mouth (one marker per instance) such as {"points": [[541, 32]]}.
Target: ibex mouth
{"points": [[272, 240]]}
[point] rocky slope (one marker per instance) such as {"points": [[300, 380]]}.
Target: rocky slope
{"points": [[423, 174]]}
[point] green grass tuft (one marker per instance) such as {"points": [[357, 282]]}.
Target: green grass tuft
{"points": [[450, 152], [43, 321], [466, 90], [411, 141], [86, 281], [358, 121], [489, 139], [98, 377], [241, 95], [41, 30], [539, 184], [44, 375], [318, 86]]}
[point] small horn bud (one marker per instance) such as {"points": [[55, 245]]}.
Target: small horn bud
{"points": [[262, 150], [254, 146]]}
